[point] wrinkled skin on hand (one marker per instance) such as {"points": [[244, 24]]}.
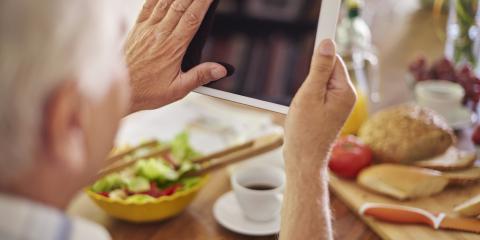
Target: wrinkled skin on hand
{"points": [[155, 49]]}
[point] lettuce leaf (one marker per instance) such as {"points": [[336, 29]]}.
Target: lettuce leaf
{"points": [[190, 182], [118, 194], [181, 149], [186, 167], [108, 183], [154, 169], [138, 185]]}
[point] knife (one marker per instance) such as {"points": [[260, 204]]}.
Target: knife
{"points": [[410, 215]]}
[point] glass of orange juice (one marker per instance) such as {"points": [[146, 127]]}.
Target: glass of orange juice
{"points": [[358, 116]]}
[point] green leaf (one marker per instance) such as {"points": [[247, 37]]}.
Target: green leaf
{"points": [[118, 194], [138, 185], [108, 183], [190, 182], [155, 170], [181, 148], [186, 167]]}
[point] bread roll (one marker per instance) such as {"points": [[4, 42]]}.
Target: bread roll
{"points": [[463, 177], [402, 182], [406, 134]]}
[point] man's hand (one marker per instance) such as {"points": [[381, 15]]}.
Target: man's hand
{"points": [[320, 109], [155, 49], [317, 114]]}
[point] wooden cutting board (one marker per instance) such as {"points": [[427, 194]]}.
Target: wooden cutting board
{"points": [[355, 196]]}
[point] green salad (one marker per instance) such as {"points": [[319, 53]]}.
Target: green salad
{"points": [[153, 178]]}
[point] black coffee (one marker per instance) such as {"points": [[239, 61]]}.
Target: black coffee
{"points": [[260, 187]]}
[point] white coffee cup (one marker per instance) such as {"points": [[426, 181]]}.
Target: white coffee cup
{"points": [[259, 205], [444, 97]]}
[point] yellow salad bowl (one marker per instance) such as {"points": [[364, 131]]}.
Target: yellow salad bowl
{"points": [[156, 210]]}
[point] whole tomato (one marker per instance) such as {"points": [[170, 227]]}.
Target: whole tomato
{"points": [[349, 157]]}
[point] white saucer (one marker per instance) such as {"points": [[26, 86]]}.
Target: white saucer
{"points": [[461, 118], [227, 212]]}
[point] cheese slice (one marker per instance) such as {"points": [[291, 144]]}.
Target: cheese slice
{"points": [[470, 208], [402, 182]]}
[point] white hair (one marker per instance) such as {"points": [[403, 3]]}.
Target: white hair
{"points": [[42, 44]]}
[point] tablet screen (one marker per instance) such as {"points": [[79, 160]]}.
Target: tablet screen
{"points": [[269, 42]]}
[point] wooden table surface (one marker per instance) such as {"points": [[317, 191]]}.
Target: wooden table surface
{"points": [[400, 34]]}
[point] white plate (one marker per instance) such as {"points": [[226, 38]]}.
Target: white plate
{"points": [[227, 212]]}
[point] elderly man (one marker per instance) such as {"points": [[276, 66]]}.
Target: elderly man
{"points": [[65, 85]]}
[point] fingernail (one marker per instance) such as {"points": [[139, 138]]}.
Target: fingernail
{"points": [[327, 48], [219, 72], [229, 67]]}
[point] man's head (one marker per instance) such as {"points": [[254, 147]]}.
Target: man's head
{"points": [[63, 91]]}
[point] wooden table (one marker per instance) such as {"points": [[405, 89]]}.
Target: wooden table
{"points": [[198, 223], [400, 36]]}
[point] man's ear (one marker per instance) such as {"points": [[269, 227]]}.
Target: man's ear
{"points": [[63, 136]]}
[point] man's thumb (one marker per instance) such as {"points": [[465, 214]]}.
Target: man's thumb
{"points": [[323, 63]]}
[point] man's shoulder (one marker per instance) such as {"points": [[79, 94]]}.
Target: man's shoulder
{"points": [[27, 220], [80, 230]]}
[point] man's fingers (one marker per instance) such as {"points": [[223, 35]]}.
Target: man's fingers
{"points": [[340, 85], [160, 11], [340, 79], [198, 76], [192, 19], [175, 12], [147, 10], [322, 66]]}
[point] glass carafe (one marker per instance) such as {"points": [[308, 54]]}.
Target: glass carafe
{"points": [[354, 44]]}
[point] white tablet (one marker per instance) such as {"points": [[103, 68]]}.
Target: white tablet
{"points": [[270, 44]]}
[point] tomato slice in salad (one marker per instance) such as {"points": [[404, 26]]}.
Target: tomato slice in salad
{"points": [[157, 192]]}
